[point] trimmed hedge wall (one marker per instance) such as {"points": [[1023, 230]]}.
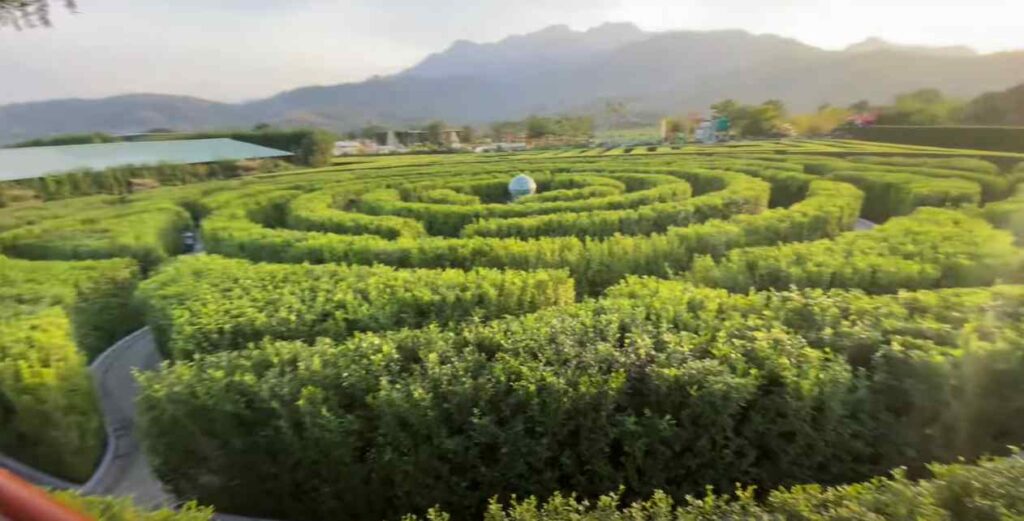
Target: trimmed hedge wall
{"points": [[659, 385], [206, 304], [54, 315], [1003, 139]]}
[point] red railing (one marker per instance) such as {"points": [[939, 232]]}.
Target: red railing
{"points": [[21, 501]]}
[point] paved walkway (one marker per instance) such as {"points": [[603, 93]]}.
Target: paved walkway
{"points": [[125, 470]]}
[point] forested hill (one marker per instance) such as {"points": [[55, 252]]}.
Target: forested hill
{"points": [[557, 70]]}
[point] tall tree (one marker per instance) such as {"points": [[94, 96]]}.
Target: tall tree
{"points": [[21, 14], [435, 132]]}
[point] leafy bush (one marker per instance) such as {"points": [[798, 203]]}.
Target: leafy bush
{"points": [[890, 195], [207, 304], [658, 386], [987, 490], [148, 232], [967, 164], [931, 248], [122, 509], [48, 410]]}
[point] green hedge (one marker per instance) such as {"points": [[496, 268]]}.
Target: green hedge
{"points": [[1004, 139], [54, 315], [657, 386], [960, 492], [123, 509], [149, 232], [930, 248], [207, 304], [594, 264], [967, 164], [1007, 214], [890, 194]]}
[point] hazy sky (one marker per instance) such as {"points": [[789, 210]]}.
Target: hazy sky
{"points": [[232, 50]]}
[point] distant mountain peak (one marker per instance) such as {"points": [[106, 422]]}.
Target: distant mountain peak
{"points": [[875, 44], [552, 46]]}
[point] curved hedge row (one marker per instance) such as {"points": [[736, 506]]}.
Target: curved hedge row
{"points": [[931, 248], [206, 304], [149, 233], [658, 386], [959, 492], [594, 263], [446, 362], [49, 417]]}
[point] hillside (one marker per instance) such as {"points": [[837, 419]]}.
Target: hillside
{"points": [[557, 69]]}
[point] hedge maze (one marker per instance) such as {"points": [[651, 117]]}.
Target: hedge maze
{"points": [[396, 336]]}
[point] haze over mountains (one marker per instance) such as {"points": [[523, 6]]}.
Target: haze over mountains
{"points": [[554, 70]]}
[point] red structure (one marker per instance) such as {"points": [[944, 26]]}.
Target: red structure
{"points": [[20, 501]]}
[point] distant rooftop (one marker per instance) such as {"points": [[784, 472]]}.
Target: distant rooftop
{"points": [[31, 162]]}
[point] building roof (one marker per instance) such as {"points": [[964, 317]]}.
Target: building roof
{"points": [[31, 162]]}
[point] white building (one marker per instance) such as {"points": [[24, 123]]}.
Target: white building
{"points": [[347, 148]]}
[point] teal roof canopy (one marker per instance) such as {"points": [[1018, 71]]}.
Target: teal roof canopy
{"points": [[32, 162]]}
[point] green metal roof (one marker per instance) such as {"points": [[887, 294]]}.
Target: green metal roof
{"points": [[30, 162]]}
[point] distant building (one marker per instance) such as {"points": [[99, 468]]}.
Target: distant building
{"points": [[32, 162], [450, 137], [347, 148], [398, 139], [705, 132]]}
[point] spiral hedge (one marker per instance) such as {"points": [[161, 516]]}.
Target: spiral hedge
{"points": [[379, 338]]}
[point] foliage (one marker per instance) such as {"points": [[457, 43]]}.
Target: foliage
{"points": [[1004, 108], [565, 126], [27, 13], [987, 490], [125, 179], [68, 139], [922, 107], [122, 509], [657, 386], [891, 194], [819, 123], [208, 304], [752, 120], [149, 232], [48, 410], [931, 248]]}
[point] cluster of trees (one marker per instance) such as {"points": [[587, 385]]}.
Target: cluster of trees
{"points": [[922, 107], [56, 315], [123, 180], [68, 139], [536, 127], [206, 304], [932, 107], [752, 120], [657, 386]]}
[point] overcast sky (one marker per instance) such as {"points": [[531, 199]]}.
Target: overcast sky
{"points": [[232, 50]]}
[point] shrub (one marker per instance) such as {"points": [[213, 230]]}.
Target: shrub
{"points": [[890, 195], [984, 491], [207, 304], [149, 233], [48, 413], [657, 386], [931, 248]]}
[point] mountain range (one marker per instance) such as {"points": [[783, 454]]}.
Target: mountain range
{"points": [[557, 70]]}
